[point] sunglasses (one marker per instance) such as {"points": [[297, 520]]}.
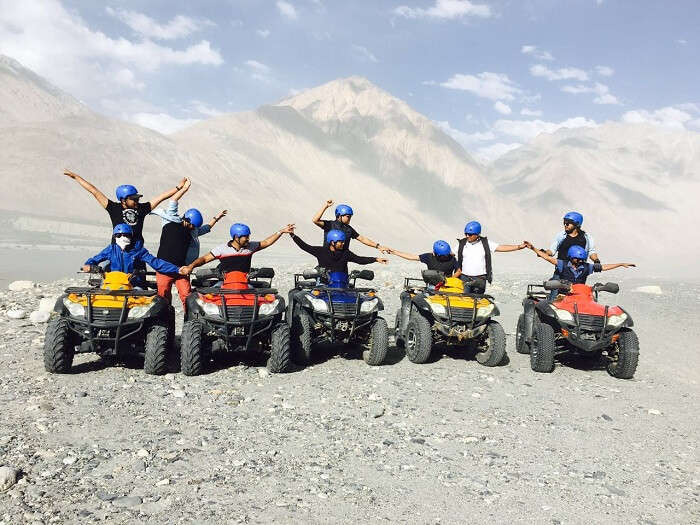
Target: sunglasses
{"points": [[117, 235], [566, 223]]}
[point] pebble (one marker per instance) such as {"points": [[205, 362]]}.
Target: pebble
{"points": [[163, 482], [39, 316], [654, 412], [8, 478], [69, 460], [142, 453], [262, 372], [18, 286], [16, 313], [127, 501], [178, 393]]}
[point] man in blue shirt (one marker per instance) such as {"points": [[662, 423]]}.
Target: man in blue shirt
{"points": [[575, 269]]}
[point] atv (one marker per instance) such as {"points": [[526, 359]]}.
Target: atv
{"points": [[575, 323], [439, 311], [241, 313], [329, 307], [113, 319]]}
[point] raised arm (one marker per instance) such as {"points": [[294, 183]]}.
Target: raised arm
{"points": [[101, 198], [369, 242], [359, 259], [511, 247], [272, 239], [179, 193], [612, 266], [313, 250], [160, 198], [543, 254], [204, 259], [317, 218], [217, 219], [404, 255]]}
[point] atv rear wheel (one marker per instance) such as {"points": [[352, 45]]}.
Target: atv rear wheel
{"points": [[397, 331], [521, 346], [419, 339], [155, 360], [301, 337], [542, 348], [58, 347], [625, 365], [495, 345], [192, 351], [378, 344], [280, 352]]}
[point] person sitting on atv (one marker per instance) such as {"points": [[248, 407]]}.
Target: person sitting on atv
{"points": [[333, 256], [237, 254], [441, 258], [474, 257], [343, 215], [125, 255], [128, 210], [576, 270], [572, 235]]}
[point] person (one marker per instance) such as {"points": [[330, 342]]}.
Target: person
{"points": [[440, 259], [236, 255], [572, 235], [333, 256], [128, 210], [343, 216], [170, 214], [124, 255], [575, 269], [474, 257]]}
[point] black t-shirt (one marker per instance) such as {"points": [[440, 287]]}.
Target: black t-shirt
{"points": [[568, 242], [348, 230], [174, 241], [132, 217], [233, 260], [333, 261], [447, 267]]}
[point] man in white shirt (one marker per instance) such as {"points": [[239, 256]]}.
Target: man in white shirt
{"points": [[474, 257]]}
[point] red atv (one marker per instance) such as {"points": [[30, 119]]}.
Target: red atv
{"points": [[576, 323]]}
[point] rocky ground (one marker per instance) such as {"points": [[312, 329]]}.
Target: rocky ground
{"points": [[445, 442]]}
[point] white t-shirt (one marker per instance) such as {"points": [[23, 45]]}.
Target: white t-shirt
{"points": [[474, 257]]}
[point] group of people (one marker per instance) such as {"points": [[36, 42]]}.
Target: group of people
{"points": [[470, 258]]}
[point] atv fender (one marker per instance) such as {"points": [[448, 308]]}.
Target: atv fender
{"points": [[420, 302], [544, 309]]}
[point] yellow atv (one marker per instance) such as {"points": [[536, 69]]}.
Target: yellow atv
{"points": [[439, 311], [113, 319]]}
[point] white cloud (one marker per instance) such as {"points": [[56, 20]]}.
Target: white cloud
{"points": [[604, 71], [503, 109], [526, 130], [487, 154], [259, 71], [264, 33], [682, 42], [204, 109], [493, 86], [162, 122], [530, 112], [364, 54], [446, 10], [566, 73], [668, 117], [603, 92], [125, 77], [286, 9], [467, 140], [539, 54], [180, 26]]}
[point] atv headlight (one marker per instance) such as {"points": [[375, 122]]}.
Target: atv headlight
{"points": [[319, 305], [485, 311], [210, 309], [75, 309], [368, 306], [563, 315], [437, 308], [268, 308], [617, 320], [139, 311]]}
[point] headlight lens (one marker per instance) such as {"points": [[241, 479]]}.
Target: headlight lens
{"points": [[139, 311], [617, 320], [268, 308], [485, 311], [368, 306], [563, 315], [75, 309], [319, 305], [437, 308], [209, 308]]}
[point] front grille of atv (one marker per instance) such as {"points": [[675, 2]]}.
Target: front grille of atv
{"points": [[240, 314], [344, 309], [462, 315], [593, 323], [106, 315]]}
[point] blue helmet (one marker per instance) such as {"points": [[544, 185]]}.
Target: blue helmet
{"points": [[127, 190], [473, 228], [441, 248], [239, 230], [335, 235], [574, 217], [122, 228], [577, 252], [343, 209], [194, 217]]}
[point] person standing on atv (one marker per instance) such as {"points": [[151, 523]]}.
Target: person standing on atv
{"points": [[575, 269], [474, 257], [237, 254], [128, 210], [441, 258], [125, 255], [333, 256], [572, 235], [343, 216]]}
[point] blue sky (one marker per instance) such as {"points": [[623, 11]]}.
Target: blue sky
{"points": [[492, 73]]}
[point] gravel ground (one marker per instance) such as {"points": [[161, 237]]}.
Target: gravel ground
{"points": [[446, 442]]}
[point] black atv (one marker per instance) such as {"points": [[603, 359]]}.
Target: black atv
{"points": [[113, 319], [328, 307], [234, 315]]}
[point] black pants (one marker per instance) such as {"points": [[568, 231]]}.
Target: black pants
{"points": [[477, 288]]}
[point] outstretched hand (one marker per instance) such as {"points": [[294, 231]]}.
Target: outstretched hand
{"points": [[69, 173], [525, 244], [289, 228], [384, 249], [185, 270], [629, 265], [182, 183], [221, 215], [85, 268], [382, 260]]}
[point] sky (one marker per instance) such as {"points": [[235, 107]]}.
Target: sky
{"points": [[493, 74]]}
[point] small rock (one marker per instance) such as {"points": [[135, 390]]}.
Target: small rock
{"points": [[127, 501], [418, 441], [18, 286], [16, 313], [8, 478], [138, 466], [104, 496], [379, 412], [38, 316], [606, 417], [69, 460], [81, 394], [178, 393], [653, 290], [47, 304], [262, 372], [163, 482], [614, 490], [476, 394], [142, 453], [654, 412]]}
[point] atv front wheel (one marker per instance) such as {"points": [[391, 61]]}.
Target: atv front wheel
{"points": [[419, 339], [58, 347], [625, 365], [378, 344], [521, 346], [280, 351], [301, 337], [155, 360], [542, 348], [192, 352], [397, 331], [495, 345]]}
